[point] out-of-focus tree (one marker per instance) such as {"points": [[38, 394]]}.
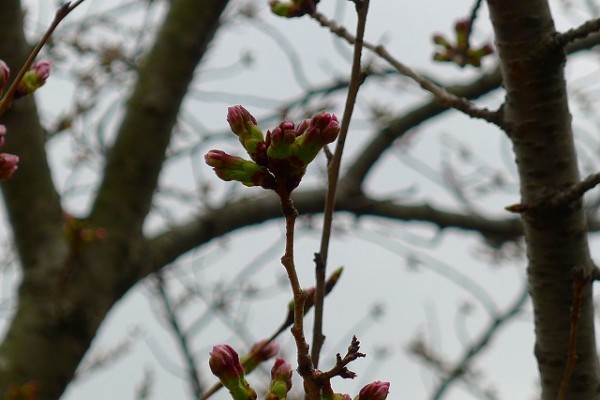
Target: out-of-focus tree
{"points": [[75, 266]]}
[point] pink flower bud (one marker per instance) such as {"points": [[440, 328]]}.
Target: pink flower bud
{"points": [[281, 380], [225, 364], [33, 79], [231, 168], [282, 371], [41, 69], [374, 391], [8, 165], [261, 351], [279, 141], [4, 74], [2, 134], [323, 128], [244, 125]]}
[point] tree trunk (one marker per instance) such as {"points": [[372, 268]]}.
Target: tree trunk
{"points": [[538, 123]]}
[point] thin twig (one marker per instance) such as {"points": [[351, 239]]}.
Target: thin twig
{"points": [[579, 283], [305, 365], [443, 96], [356, 79], [472, 19], [560, 199], [477, 346], [60, 14], [182, 339]]}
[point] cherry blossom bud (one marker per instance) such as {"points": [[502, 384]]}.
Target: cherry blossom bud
{"points": [[2, 134], [281, 380], [374, 391], [33, 79], [8, 165], [231, 168], [244, 125], [260, 352], [4, 74], [280, 140], [323, 128], [225, 364], [295, 8]]}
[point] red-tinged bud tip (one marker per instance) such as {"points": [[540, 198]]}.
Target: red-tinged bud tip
{"points": [[42, 69], [282, 371], [8, 165], [4, 74], [2, 134], [462, 25], [225, 364], [267, 351], [33, 79], [375, 391], [239, 118]]}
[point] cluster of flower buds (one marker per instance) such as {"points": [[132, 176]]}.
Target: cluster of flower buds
{"points": [[280, 158], [294, 8], [225, 364], [32, 80], [460, 53]]}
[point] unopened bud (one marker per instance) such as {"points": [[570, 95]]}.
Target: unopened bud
{"points": [[8, 165], [374, 391], [260, 352], [33, 79], [4, 74]]}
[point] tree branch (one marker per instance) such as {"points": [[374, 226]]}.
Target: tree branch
{"points": [[136, 158], [169, 245]]}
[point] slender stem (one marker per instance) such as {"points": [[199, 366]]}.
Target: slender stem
{"points": [[60, 14], [356, 79], [445, 98], [305, 365], [579, 284]]}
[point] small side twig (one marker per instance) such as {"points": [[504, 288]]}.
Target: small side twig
{"points": [[579, 283], [561, 199], [472, 18], [580, 32], [60, 14], [443, 96], [479, 345], [182, 339], [341, 365], [333, 173]]}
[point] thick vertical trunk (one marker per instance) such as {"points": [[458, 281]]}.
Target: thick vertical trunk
{"points": [[538, 123]]}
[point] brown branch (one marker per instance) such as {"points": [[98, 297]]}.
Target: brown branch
{"points": [[60, 14], [581, 32], [446, 98], [333, 174], [136, 158], [579, 283]]}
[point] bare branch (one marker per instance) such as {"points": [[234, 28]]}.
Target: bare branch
{"points": [[181, 337], [446, 98], [477, 347], [582, 31]]}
